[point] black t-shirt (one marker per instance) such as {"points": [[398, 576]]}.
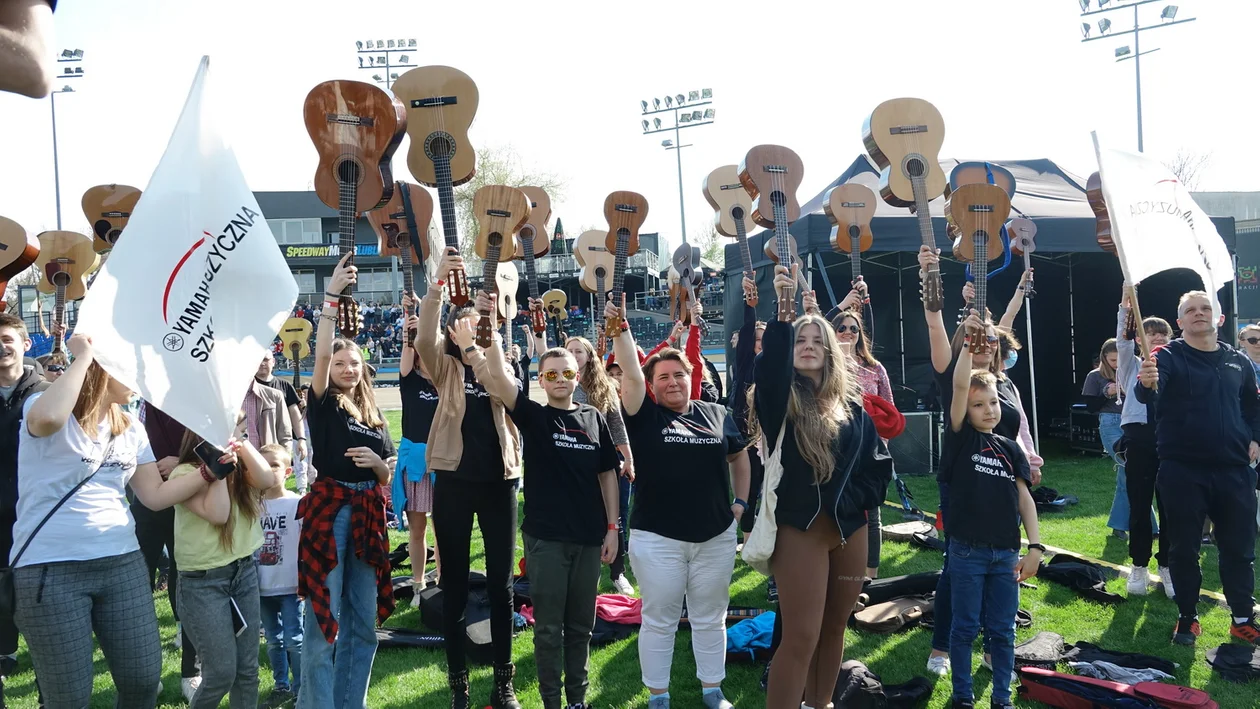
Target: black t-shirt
{"points": [[482, 460], [419, 402], [983, 494], [682, 488], [285, 387], [333, 432], [565, 451], [1008, 426]]}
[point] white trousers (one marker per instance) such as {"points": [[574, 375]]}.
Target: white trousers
{"points": [[669, 571]]}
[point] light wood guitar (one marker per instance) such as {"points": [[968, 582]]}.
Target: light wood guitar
{"points": [[65, 259], [500, 211], [18, 250], [398, 226], [507, 282], [108, 208], [595, 277], [732, 213], [1023, 233], [295, 337], [356, 128], [532, 243], [850, 208], [903, 137], [441, 103], [625, 211], [771, 174], [980, 211]]}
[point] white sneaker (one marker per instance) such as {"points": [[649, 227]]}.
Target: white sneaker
{"points": [[188, 686], [938, 665], [622, 584], [179, 635], [1165, 575], [416, 588], [1139, 579]]}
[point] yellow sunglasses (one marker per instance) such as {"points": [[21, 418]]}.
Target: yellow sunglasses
{"points": [[551, 375]]}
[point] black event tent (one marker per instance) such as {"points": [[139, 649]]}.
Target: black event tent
{"points": [[1077, 285]]}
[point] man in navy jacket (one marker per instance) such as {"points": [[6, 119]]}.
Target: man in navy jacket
{"points": [[1207, 414]]}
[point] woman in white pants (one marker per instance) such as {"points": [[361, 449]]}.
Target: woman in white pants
{"points": [[682, 526]]}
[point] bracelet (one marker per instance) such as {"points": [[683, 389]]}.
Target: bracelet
{"points": [[612, 527], [334, 296], [331, 304], [440, 282], [470, 349], [1039, 547], [329, 318], [741, 503], [300, 438], [207, 475]]}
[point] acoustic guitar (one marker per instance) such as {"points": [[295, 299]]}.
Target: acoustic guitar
{"points": [[295, 337], [532, 243], [625, 211], [979, 210], [507, 281], [975, 173], [1023, 233], [356, 128], [903, 137], [500, 211], [595, 274], [686, 262], [850, 208], [555, 303], [1102, 219], [398, 234], [732, 212], [771, 174], [441, 103], [108, 209], [65, 258], [18, 250]]}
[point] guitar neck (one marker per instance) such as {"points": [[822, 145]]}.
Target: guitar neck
{"points": [[787, 306], [855, 253], [619, 267], [919, 185], [59, 318], [347, 216], [531, 273], [980, 272], [297, 365], [491, 268], [741, 236], [446, 199], [413, 239]]}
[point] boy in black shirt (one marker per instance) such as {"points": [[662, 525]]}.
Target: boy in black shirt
{"points": [[571, 515], [988, 476]]}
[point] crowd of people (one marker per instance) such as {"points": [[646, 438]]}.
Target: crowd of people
{"points": [[793, 459]]}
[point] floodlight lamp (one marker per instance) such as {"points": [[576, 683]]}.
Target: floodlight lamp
{"points": [[657, 121], [359, 44], [78, 71], [684, 118], [1123, 51], [1102, 3], [369, 44], [693, 95], [411, 43], [708, 114], [381, 59], [67, 89], [1104, 25], [360, 62], [402, 58], [78, 54], [706, 93], [679, 99], [69, 70], [666, 143], [394, 76], [656, 103], [1084, 5], [1085, 29], [67, 53], [371, 61], [1169, 12], [645, 124], [377, 77], [669, 101], [696, 115], [380, 44], [644, 105], [390, 44]]}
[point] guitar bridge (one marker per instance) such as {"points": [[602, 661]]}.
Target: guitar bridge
{"points": [[434, 101], [905, 130], [351, 120], [627, 208]]}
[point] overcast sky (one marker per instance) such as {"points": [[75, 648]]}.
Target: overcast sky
{"points": [[561, 82]]}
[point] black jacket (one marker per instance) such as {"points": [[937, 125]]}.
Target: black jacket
{"points": [[1207, 410], [10, 425]]}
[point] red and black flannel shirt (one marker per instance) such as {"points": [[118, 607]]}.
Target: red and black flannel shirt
{"points": [[317, 553]]}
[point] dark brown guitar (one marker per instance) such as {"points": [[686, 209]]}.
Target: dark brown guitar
{"points": [[18, 250], [500, 212], [772, 174]]}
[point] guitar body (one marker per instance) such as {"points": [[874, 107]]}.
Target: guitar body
{"points": [[506, 283], [590, 242], [980, 211], [1102, 224], [850, 208], [771, 249], [555, 302], [500, 212], [625, 212], [18, 250], [391, 227], [441, 103], [72, 256], [731, 204], [295, 336], [595, 270], [539, 214], [771, 174], [971, 173], [108, 208], [356, 127], [1023, 233], [903, 137]]}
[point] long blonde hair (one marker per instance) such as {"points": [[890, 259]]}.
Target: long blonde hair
{"points": [[91, 402], [245, 499], [359, 402], [1104, 368], [594, 379]]}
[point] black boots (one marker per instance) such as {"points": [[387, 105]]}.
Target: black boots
{"points": [[504, 695], [459, 689]]}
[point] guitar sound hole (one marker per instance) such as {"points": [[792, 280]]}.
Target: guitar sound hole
{"points": [[348, 172], [737, 212], [915, 167], [440, 146], [854, 231], [61, 279], [980, 238], [778, 199]]}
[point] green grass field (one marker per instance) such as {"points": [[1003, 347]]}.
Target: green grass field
{"points": [[416, 678]]}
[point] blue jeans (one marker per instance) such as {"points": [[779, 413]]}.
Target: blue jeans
{"points": [[282, 622], [942, 622], [984, 578], [1109, 433], [342, 683]]}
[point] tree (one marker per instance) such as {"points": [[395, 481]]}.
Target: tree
{"points": [[498, 165], [712, 244], [1189, 166], [29, 277]]}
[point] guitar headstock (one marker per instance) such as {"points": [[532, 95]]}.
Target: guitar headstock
{"points": [[850, 207], [349, 321], [903, 136], [771, 174], [536, 228], [625, 211], [979, 211], [500, 211], [730, 201], [355, 127], [108, 208]]}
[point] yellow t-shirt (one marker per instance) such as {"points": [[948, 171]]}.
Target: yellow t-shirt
{"points": [[197, 545]]}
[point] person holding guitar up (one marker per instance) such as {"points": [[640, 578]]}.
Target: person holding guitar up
{"points": [[682, 539], [346, 586], [473, 477], [834, 467]]}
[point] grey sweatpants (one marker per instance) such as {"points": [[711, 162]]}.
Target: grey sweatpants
{"points": [[229, 663], [563, 581], [60, 605]]}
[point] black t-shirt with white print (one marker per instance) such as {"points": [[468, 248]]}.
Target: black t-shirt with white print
{"points": [[565, 452], [482, 460], [983, 492], [682, 483], [333, 432], [419, 402]]}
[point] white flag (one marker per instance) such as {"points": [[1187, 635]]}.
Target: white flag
{"points": [[1156, 224], [196, 289]]}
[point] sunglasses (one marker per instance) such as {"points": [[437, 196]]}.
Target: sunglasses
{"points": [[849, 328], [551, 375], [1252, 340], [56, 368]]}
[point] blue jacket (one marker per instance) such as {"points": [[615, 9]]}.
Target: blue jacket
{"points": [[1207, 408]]}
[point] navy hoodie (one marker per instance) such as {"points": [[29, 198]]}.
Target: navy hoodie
{"points": [[1207, 409]]}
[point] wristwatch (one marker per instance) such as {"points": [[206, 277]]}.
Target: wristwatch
{"points": [[1039, 547], [470, 349]]}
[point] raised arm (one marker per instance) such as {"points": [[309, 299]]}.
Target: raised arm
{"points": [[428, 335], [407, 358], [213, 504], [633, 386], [487, 364], [962, 380], [693, 352], [1126, 354], [1013, 307], [774, 369], [937, 337], [53, 408], [258, 472]]}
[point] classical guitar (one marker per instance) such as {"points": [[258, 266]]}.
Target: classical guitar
{"points": [[771, 175], [18, 250], [1102, 220], [295, 337], [732, 212], [441, 103], [65, 258], [686, 262], [850, 208], [979, 210], [507, 281], [108, 208], [598, 264], [532, 243], [975, 173], [356, 128], [500, 211], [625, 211], [903, 137], [398, 233], [1023, 234]]}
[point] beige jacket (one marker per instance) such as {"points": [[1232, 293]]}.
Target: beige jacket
{"points": [[445, 447], [271, 415]]}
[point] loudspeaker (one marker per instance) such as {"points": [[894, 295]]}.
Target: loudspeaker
{"points": [[916, 450]]}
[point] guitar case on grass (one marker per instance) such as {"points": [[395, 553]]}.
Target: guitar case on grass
{"points": [[477, 644], [1077, 692]]}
